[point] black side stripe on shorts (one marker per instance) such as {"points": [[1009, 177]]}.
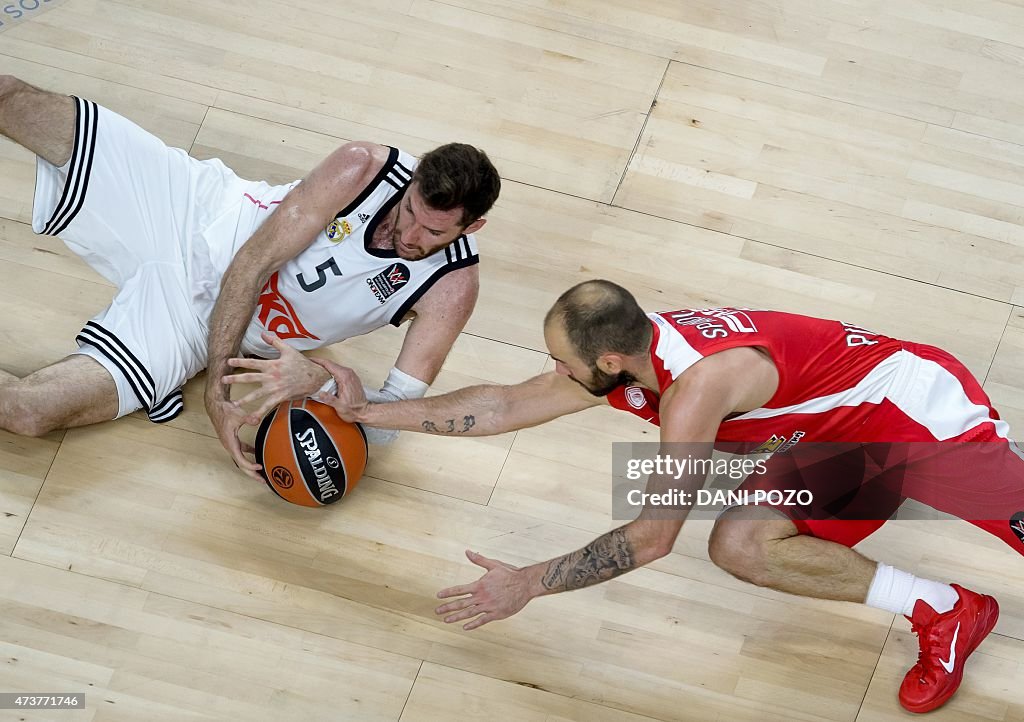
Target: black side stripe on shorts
{"points": [[167, 409], [119, 355], [82, 154]]}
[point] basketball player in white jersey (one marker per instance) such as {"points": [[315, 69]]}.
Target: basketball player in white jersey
{"points": [[208, 264], [770, 380]]}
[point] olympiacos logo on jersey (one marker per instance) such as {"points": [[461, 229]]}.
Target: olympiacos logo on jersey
{"points": [[635, 397], [716, 322]]}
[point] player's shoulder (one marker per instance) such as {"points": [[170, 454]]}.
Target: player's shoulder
{"points": [[361, 157], [458, 288]]}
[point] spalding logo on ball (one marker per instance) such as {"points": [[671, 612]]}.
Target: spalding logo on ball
{"points": [[310, 456]]}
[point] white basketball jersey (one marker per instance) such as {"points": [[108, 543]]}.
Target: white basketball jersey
{"points": [[339, 287]]}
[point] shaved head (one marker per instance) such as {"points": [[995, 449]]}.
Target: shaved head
{"points": [[601, 317]]}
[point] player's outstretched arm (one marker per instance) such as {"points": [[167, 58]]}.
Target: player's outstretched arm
{"points": [[691, 411], [287, 232], [472, 411]]}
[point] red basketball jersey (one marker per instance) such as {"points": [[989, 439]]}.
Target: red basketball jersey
{"points": [[832, 377]]}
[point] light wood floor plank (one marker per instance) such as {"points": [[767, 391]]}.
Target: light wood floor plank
{"points": [[139, 655]]}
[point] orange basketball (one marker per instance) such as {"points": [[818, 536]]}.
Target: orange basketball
{"points": [[310, 456]]}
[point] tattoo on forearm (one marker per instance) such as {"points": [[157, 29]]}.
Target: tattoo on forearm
{"points": [[449, 426], [602, 559]]}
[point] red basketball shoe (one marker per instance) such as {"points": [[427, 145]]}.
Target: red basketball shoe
{"points": [[946, 640]]}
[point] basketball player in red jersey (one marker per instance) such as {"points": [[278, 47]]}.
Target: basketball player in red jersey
{"points": [[208, 264], [731, 375]]}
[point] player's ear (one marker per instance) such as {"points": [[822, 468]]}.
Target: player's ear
{"points": [[610, 363], [475, 225]]}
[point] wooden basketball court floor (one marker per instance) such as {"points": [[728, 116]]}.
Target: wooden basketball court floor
{"points": [[855, 159]]}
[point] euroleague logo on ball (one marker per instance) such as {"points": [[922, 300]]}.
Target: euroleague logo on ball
{"points": [[282, 477]]}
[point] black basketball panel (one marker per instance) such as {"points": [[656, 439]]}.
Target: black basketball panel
{"points": [[317, 457]]}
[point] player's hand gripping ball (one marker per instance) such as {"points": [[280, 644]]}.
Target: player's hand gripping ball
{"points": [[310, 456]]}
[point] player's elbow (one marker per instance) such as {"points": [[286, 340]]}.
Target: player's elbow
{"points": [[656, 538], [662, 548]]}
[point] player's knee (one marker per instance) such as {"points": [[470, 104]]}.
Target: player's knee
{"points": [[738, 547], [28, 425], [8, 86], [23, 418]]}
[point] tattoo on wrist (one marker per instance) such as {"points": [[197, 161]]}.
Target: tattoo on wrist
{"points": [[449, 426], [602, 559]]}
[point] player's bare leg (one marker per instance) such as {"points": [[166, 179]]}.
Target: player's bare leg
{"points": [[39, 120], [73, 392], [760, 546]]}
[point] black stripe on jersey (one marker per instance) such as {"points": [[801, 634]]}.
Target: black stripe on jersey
{"points": [[402, 172], [397, 316], [111, 346], [456, 251], [448, 253], [465, 243], [167, 409], [377, 179], [394, 181], [79, 170]]}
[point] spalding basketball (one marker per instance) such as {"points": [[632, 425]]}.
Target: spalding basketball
{"points": [[309, 455]]}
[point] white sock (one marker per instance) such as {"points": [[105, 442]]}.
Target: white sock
{"points": [[897, 591]]}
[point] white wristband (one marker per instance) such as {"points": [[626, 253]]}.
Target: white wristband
{"points": [[398, 386], [330, 387]]}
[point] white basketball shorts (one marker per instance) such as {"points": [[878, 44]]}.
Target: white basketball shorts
{"points": [[136, 211]]}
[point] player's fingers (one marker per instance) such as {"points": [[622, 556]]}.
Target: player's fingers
{"points": [[334, 369], [481, 621], [248, 363], [247, 448], [457, 605], [264, 408], [248, 378], [255, 395], [274, 340], [481, 561], [457, 591], [234, 447], [464, 614]]}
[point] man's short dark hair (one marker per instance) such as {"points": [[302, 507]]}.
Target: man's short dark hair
{"points": [[458, 175], [602, 317]]}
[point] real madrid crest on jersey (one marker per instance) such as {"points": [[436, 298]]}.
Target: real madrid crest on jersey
{"points": [[338, 230]]}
